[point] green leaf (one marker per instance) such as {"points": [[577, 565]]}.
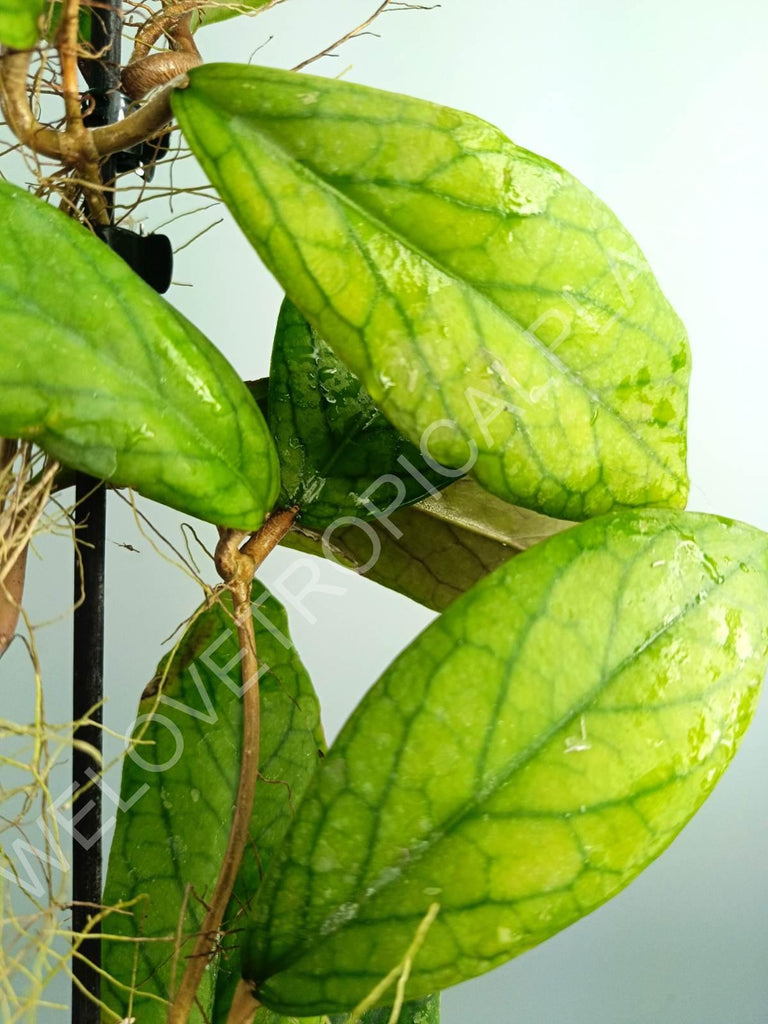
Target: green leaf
{"points": [[178, 789], [20, 23], [292, 740], [222, 10], [522, 761], [434, 551], [109, 378], [265, 1016], [54, 13], [495, 310], [338, 455], [421, 1011]]}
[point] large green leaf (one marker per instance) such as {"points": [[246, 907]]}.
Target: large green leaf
{"points": [[178, 790], [486, 299], [338, 455], [522, 761], [20, 23], [434, 551], [108, 378]]}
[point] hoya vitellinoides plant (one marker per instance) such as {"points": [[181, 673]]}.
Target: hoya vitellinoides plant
{"points": [[477, 397]]}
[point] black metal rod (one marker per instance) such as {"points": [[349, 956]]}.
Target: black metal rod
{"points": [[103, 77], [88, 688]]}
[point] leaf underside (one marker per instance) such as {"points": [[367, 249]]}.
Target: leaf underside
{"points": [[521, 762], [108, 378], [434, 551], [490, 304]]}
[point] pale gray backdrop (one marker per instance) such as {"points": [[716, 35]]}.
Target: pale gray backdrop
{"points": [[659, 107]]}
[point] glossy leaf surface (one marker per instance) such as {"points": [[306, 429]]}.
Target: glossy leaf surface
{"points": [[434, 551], [338, 455], [522, 761], [493, 307], [108, 378], [20, 23], [179, 788]]}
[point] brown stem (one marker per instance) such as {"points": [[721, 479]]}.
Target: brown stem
{"points": [[163, 23], [66, 44], [12, 583], [78, 148], [11, 594], [236, 566], [8, 449], [238, 836], [345, 38], [244, 1005], [145, 73], [17, 111], [145, 123], [259, 545], [140, 78]]}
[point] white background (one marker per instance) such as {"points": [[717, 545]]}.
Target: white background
{"points": [[659, 108]]}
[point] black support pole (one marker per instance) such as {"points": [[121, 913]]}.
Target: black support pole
{"points": [[87, 679], [104, 100]]}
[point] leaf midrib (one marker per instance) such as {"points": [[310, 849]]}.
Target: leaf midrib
{"points": [[427, 843], [526, 338], [126, 372]]}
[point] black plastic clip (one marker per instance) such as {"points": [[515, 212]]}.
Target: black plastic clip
{"points": [[150, 256]]}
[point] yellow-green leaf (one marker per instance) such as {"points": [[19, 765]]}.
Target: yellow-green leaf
{"points": [[20, 23], [495, 310], [521, 762], [221, 10], [107, 377]]}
